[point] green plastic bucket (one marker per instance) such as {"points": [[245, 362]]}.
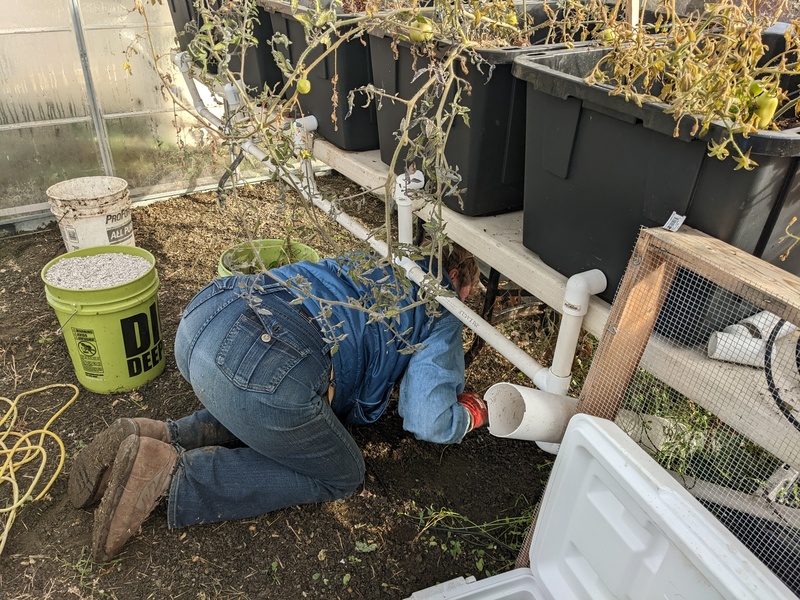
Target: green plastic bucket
{"points": [[113, 334], [241, 258]]}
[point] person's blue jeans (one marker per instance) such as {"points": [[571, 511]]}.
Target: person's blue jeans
{"points": [[266, 438]]}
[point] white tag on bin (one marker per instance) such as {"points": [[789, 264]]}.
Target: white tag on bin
{"points": [[674, 222]]}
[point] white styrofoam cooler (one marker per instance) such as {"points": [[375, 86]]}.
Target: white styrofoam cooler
{"points": [[614, 524]]}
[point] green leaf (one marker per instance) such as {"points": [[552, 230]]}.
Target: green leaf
{"points": [[363, 547], [304, 19]]}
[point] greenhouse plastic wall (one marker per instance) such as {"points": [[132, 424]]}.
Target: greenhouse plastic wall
{"points": [[69, 108]]}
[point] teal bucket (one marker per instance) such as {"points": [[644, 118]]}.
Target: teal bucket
{"points": [[113, 334]]}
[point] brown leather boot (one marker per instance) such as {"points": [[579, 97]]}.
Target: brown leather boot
{"points": [[91, 468], [141, 475]]}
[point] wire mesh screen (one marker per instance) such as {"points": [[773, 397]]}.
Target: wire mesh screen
{"points": [[700, 364]]}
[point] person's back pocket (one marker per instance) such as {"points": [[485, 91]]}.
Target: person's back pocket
{"points": [[255, 358]]}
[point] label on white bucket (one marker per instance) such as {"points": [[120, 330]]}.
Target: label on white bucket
{"points": [[119, 227], [101, 230], [92, 211], [70, 236]]}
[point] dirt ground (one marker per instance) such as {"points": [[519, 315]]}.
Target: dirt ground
{"points": [[372, 545]]}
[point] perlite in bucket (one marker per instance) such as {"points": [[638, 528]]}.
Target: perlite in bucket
{"points": [[112, 331], [92, 211]]}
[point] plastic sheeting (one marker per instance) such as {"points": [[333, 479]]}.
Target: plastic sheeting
{"points": [[69, 108]]}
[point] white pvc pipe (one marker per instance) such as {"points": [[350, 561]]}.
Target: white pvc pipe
{"points": [[740, 349], [557, 378], [745, 342], [232, 96], [405, 210], [761, 325], [405, 219], [307, 183], [579, 289], [568, 334], [249, 147], [524, 413], [300, 128], [183, 62]]}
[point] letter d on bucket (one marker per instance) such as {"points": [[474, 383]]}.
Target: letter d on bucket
{"points": [[113, 334]]}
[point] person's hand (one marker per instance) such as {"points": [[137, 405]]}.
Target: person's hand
{"points": [[476, 407]]}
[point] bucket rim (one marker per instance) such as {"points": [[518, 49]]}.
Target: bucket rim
{"points": [[81, 252], [117, 185], [264, 244]]}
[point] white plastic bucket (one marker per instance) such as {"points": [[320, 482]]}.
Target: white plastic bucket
{"points": [[92, 211]]}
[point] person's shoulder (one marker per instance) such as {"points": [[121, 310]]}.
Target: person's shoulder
{"points": [[444, 319]]}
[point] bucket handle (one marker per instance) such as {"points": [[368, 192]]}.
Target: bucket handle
{"points": [[60, 330]]}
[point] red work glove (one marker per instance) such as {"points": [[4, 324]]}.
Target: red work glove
{"points": [[476, 408]]}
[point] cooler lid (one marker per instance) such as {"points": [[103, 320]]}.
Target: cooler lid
{"points": [[614, 524]]}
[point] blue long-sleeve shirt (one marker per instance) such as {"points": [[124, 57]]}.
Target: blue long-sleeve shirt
{"points": [[367, 362]]}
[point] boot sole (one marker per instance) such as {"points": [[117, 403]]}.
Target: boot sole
{"points": [[123, 465], [92, 464]]}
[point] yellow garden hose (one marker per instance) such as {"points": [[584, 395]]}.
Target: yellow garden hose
{"points": [[18, 449]]}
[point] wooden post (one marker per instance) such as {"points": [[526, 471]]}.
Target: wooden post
{"points": [[633, 7], [630, 323]]}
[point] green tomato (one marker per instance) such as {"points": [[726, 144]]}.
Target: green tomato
{"points": [[766, 106], [607, 36], [421, 30], [756, 88], [303, 86]]}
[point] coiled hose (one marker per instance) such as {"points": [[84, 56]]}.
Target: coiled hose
{"points": [[773, 389], [18, 449]]}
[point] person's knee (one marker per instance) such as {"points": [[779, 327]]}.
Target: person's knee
{"points": [[348, 482], [358, 474], [180, 351]]}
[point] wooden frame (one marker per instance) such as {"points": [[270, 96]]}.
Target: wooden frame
{"points": [[629, 340]]}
